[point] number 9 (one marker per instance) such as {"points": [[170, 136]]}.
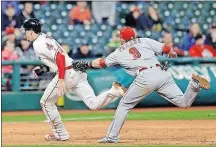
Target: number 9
{"points": [[136, 54]]}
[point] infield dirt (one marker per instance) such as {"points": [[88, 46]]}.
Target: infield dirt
{"points": [[145, 132]]}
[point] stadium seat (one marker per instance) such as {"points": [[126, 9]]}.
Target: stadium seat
{"points": [[82, 33], [175, 15], [94, 28], [69, 6], [94, 40], [37, 6], [78, 28], [97, 49]]}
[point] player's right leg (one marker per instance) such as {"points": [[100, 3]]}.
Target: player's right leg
{"points": [[48, 104], [135, 93], [143, 85], [86, 93], [171, 92]]}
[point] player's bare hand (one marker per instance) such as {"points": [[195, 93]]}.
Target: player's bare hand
{"points": [[61, 88], [34, 71], [172, 54]]}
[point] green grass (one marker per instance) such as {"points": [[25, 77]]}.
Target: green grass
{"points": [[169, 115], [114, 145], [91, 115]]}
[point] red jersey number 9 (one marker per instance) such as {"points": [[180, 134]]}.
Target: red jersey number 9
{"points": [[136, 54]]}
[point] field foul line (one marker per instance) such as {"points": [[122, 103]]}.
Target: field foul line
{"points": [[88, 118], [68, 119], [84, 118]]}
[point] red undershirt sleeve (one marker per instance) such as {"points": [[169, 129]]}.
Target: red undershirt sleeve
{"points": [[60, 61], [102, 62]]}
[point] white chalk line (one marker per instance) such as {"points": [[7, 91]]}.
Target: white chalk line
{"points": [[83, 118], [87, 118]]}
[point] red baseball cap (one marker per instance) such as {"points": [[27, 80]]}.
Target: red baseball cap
{"points": [[9, 30], [127, 33]]}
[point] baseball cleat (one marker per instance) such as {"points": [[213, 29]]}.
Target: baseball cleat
{"points": [[51, 137], [202, 81], [120, 87], [108, 140]]}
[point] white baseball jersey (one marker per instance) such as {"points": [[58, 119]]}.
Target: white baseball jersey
{"points": [[135, 54], [47, 48]]}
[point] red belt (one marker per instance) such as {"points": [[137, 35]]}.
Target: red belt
{"points": [[68, 67], [144, 68]]}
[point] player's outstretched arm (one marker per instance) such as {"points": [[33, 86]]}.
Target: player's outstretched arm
{"points": [[83, 65], [110, 60], [98, 63]]}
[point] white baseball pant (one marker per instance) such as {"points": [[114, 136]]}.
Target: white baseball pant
{"points": [[77, 81]]}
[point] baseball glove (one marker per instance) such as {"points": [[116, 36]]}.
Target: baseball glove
{"points": [[80, 65], [40, 70], [165, 65]]}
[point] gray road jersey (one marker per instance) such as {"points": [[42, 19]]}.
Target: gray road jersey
{"points": [[135, 54]]}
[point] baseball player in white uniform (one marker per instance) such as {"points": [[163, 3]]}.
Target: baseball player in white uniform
{"points": [[138, 56], [52, 55]]}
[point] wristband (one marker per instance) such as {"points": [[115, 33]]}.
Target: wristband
{"points": [[89, 64]]}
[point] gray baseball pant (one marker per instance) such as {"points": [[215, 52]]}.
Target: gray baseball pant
{"points": [[147, 81]]}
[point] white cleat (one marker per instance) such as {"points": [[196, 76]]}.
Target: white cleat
{"points": [[108, 140], [51, 137]]}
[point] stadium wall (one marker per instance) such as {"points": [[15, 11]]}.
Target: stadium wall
{"points": [[101, 80]]}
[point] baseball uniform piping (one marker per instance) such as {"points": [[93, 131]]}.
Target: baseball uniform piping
{"points": [[48, 113], [116, 109]]}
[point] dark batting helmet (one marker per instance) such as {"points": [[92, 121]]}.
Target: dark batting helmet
{"points": [[32, 24]]}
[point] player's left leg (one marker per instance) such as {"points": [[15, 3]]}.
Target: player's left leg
{"points": [[171, 92], [86, 93], [48, 104]]}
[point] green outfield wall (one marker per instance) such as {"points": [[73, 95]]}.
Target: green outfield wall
{"points": [[101, 80]]}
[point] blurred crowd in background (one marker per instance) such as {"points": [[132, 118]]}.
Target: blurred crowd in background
{"points": [[90, 29]]}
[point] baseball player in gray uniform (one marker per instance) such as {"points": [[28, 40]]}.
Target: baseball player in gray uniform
{"points": [[138, 56], [53, 56]]}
